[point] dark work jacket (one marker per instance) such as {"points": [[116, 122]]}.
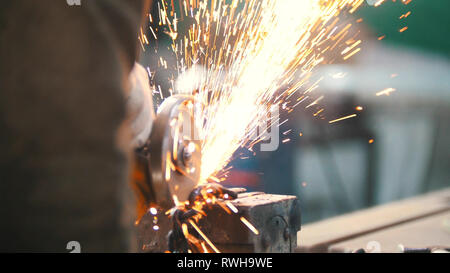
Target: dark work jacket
{"points": [[63, 139]]}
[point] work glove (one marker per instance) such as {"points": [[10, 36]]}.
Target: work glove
{"points": [[140, 106]]}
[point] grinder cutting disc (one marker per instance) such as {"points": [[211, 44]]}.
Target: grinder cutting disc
{"points": [[175, 151]]}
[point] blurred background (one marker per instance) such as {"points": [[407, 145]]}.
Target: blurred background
{"points": [[395, 148]]}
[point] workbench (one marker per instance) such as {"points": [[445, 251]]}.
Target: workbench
{"points": [[418, 222]]}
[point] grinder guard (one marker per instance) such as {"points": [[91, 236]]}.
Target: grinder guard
{"points": [[170, 160]]}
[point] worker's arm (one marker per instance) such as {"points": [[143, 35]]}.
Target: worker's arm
{"points": [[64, 161]]}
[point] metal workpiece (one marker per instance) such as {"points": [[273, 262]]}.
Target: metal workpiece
{"points": [[275, 218], [152, 232]]}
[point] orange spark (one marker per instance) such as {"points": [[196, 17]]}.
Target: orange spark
{"points": [[339, 119], [249, 225], [386, 92], [204, 236]]}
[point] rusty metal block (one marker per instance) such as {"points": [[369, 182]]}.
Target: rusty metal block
{"points": [[276, 218]]}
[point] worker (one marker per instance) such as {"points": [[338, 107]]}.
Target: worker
{"points": [[73, 106]]}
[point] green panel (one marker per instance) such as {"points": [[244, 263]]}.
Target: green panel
{"points": [[428, 24]]}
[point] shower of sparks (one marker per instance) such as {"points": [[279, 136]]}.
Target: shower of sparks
{"points": [[241, 58]]}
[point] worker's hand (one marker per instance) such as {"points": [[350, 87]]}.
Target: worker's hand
{"points": [[140, 106]]}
